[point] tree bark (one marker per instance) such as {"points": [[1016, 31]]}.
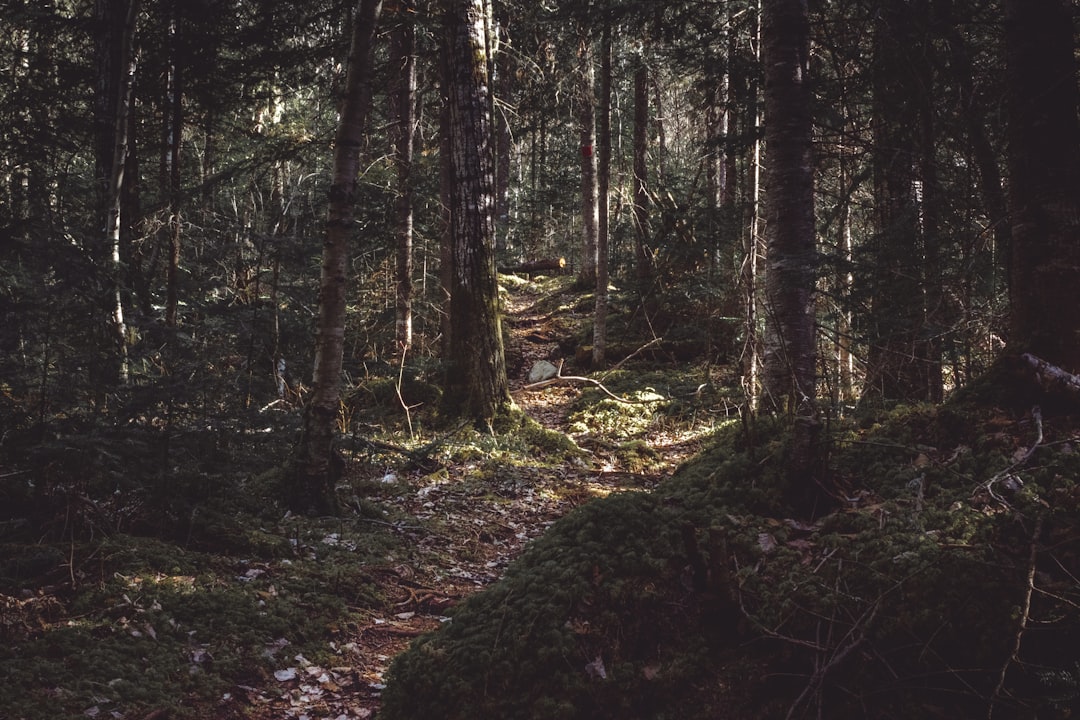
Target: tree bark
{"points": [[590, 211], [751, 356], [318, 465], [899, 366], [603, 169], [641, 173], [1044, 181], [116, 68], [790, 358], [476, 383], [172, 130], [789, 372], [404, 53]]}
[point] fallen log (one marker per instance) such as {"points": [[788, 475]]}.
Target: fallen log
{"points": [[1052, 380], [556, 264]]}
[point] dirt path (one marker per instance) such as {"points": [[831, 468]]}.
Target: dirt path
{"points": [[466, 528]]}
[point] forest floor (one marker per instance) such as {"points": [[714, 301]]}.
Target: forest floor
{"points": [[465, 523]]}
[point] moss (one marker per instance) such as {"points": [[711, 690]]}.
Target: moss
{"points": [[706, 598]]}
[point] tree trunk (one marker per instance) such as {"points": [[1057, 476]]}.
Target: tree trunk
{"points": [[318, 465], [898, 366], [504, 145], [476, 383], [172, 129], [974, 112], [404, 54], [751, 241], [641, 173], [590, 211], [116, 68], [789, 372], [603, 187], [1044, 181]]}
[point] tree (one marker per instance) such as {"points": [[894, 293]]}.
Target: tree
{"points": [[1044, 180], [644, 266], [898, 361], [116, 71], [172, 132], [404, 99], [317, 466], [789, 371], [603, 129], [476, 383], [590, 210]]}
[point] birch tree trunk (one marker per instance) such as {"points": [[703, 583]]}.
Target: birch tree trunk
{"points": [[318, 465]]}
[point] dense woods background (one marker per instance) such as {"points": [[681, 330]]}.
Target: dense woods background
{"points": [[245, 235]]}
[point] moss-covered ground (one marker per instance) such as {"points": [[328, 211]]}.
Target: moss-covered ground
{"points": [[941, 582], [601, 559]]}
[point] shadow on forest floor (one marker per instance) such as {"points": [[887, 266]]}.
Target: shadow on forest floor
{"points": [[202, 599]]}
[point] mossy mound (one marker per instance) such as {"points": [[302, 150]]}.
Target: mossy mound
{"points": [[708, 599]]}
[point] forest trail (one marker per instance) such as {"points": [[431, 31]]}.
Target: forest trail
{"points": [[466, 527]]}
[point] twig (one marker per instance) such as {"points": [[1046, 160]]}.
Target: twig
{"points": [[404, 405], [654, 341], [988, 486], [1025, 615], [857, 633]]}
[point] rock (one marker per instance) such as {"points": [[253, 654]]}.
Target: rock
{"points": [[542, 370]]}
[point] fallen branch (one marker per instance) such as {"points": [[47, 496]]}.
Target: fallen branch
{"points": [[559, 378], [1052, 380], [1025, 616], [416, 457]]}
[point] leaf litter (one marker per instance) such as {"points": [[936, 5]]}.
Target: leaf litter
{"points": [[469, 524]]}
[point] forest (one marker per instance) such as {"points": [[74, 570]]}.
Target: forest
{"points": [[564, 359]]}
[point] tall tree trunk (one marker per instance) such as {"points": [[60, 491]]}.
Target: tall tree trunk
{"points": [[404, 53], [116, 67], [1044, 180], [897, 362], [751, 237], [504, 83], [789, 372], [603, 188], [590, 211], [641, 173], [318, 465], [476, 383], [974, 112], [172, 131], [935, 315]]}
